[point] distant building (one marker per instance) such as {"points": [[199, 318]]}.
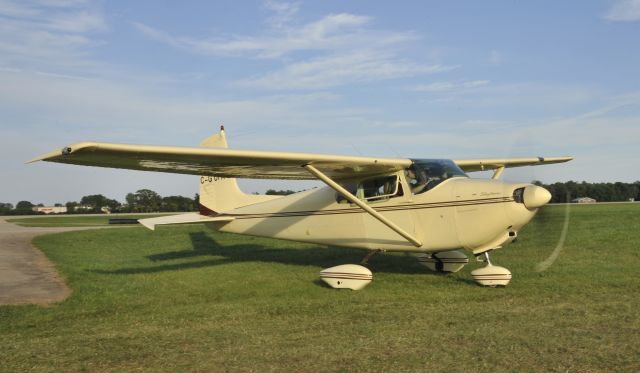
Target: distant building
{"points": [[50, 209], [583, 200], [83, 208]]}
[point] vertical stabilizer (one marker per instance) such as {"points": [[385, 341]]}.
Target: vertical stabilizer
{"points": [[218, 140], [219, 194]]}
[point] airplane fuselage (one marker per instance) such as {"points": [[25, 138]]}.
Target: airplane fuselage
{"points": [[474, 214]]}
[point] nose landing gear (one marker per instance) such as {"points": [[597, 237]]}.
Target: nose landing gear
{"points": [[491, 275]]}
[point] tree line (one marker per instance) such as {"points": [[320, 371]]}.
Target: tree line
{"points": [[144, 200], [601, 192]]}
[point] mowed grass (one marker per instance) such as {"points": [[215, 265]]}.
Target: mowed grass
{"points": [[186, 298], [75, 220]]}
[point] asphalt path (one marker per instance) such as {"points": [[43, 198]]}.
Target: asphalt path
{"points": [[26, 275]]}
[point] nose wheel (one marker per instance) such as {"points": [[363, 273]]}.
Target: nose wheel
{"points": [[490, 275]]}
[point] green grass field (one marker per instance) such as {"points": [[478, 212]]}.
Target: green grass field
{"points": [[74, 220], [186, 298]]}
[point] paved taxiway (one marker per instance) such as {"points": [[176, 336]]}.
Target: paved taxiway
{"points": [[26, 275]]}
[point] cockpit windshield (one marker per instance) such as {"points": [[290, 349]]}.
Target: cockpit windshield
{"points": [[425, 174]]}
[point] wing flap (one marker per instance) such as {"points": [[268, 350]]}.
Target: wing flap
{"points": [[471, 165], [188, 218], [220, 162]]}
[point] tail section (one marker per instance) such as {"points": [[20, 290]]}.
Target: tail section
{"points": [[219, 194]]}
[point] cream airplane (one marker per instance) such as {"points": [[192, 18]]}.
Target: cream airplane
{"points": [[428, 206]]}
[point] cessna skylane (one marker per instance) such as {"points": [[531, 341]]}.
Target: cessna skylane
{"points": [[426, 206]]}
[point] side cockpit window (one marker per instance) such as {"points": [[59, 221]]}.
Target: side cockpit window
{"points": [[375, 189], [379, 188]]}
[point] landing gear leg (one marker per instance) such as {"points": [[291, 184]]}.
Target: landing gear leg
{"points": [[486, 258], [491, 275], [370, 254]]}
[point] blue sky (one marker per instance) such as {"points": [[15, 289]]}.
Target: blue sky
{"points": [[425, 79]]}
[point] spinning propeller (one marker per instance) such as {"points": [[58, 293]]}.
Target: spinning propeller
{"points": [[528, 174]]}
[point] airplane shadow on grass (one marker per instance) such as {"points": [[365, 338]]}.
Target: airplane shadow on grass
{"points": [[204, 246]]}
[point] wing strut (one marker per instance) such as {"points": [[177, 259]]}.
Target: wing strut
{"points": [[353, 199], [498, 172]]}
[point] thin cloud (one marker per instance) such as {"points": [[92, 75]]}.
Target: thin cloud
{"points": [[334, 50], [449, 86], [521, 95], [57, 33], [495, 58], [108, 107], [283, 12], [78, 22], [336, 70], [624, 11], [331, 33]]}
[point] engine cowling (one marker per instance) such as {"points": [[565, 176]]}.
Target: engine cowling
{"points": [[532, 196]]}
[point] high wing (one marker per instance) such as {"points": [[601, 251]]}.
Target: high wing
{"points": [[221, 162], [470, 165], [252, 164]]}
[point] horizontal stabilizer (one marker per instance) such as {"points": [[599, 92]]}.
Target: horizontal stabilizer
{"points": [[191, 217]]}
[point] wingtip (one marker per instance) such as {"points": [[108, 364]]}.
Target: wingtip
{"points": [[65, 151], [560, 159], [44, 157]]}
